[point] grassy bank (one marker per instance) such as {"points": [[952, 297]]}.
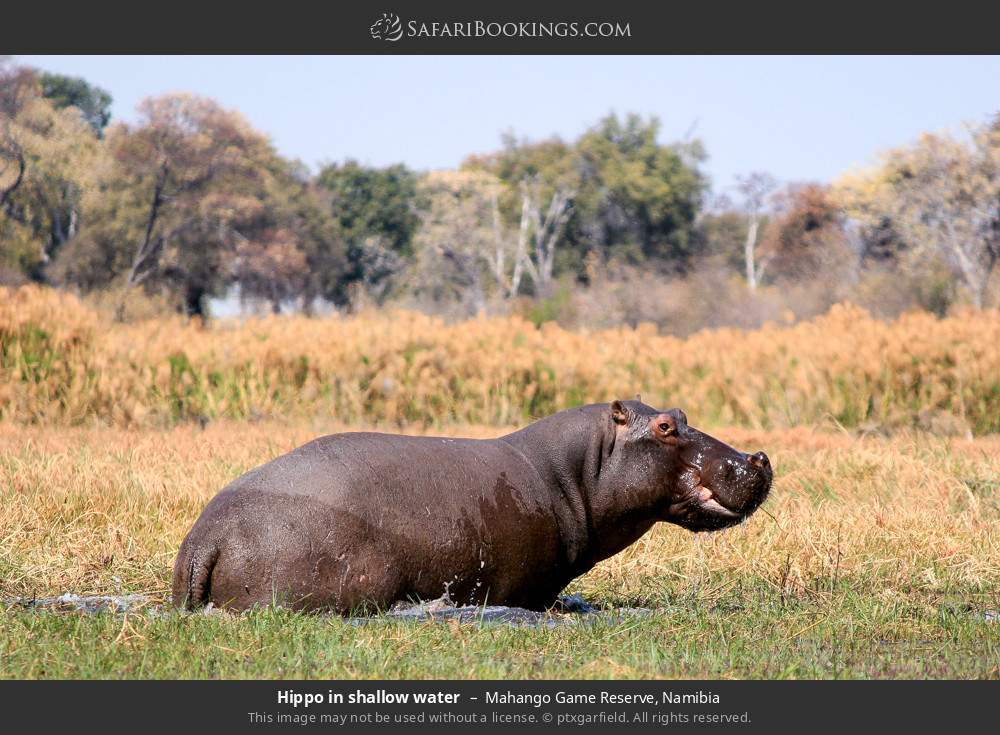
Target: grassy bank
{"points": [[880, 557], [61, 362], [750, 631]]}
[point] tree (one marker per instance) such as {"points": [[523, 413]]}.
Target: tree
{"points": [[949, 194], [459, 244], [722, 234], [17, 84], [271, 266], [291, 247], [167, 208], [93, 102], [806, 236], [376, 211], [533, 174], [629, 195], [636, 195], [17, 87], [942, 196], [46, 159], [546, 232], [370, 201], [464, 247], [755, 189]]}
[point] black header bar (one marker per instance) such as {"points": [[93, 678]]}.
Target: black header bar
{"points": [[510, 27]]}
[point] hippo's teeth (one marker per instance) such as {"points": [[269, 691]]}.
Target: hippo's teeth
{"points": [[708, 502], [718, 507]]}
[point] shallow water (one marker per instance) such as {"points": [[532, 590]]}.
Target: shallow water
{"points": [[570, 609], [81, 603]]}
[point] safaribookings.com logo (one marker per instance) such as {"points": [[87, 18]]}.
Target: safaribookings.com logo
{"points": [[387, 28], [390, 28]]}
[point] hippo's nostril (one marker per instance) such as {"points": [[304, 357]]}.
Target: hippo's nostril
{"points": [[760, 460]]}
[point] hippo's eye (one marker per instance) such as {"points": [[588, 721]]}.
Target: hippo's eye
{"points": [[666, 428]]}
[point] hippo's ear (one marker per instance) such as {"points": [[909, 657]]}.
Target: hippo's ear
{"points": [[619, 414]]}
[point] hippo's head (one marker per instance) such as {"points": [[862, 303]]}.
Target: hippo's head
{"points": [[700, 483]]}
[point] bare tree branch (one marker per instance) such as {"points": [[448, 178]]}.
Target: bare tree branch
{"points": [[755, 189], [149, 246], [546, 232], [22, 165]]}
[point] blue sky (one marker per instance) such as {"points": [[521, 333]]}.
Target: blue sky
{"points": [[799, 118]]}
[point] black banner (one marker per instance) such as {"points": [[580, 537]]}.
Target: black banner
{"points": [[458, 706], [450, 27]]}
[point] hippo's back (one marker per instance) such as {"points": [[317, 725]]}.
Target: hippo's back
{"points": [[348, 514], [366, 472]]}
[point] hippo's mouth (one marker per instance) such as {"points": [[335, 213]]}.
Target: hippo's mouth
{"points": [[700, 508], [708, 502]]}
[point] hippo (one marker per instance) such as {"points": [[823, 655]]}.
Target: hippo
{"points": [[358, 521]]}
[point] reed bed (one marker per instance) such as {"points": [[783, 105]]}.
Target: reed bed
{"points": [[62, 363]]}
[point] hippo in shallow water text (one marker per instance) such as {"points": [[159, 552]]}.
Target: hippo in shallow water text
{"points": [[363, 520]]}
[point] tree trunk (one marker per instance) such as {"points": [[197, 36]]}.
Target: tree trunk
{"points": [[980, 287], [546, 236], [974, 277], [478, 295], [194, 301], [309, 303], [149, 245], [520, 252], [496, 263], [748, 253], [555, 222], [21, 167]]}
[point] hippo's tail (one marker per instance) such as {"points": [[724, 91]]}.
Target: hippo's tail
{"points": [[192, 586]]}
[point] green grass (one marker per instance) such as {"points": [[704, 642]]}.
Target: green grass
{"points": [[752, 631]]}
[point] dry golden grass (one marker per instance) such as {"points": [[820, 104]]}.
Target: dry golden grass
{"points": [[60, 362], [915, 517]]}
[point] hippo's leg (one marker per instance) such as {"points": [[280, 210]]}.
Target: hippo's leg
{"points": [[302, 578], [305, 558]]}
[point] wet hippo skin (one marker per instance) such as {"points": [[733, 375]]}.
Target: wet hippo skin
{"points": [[359, 521]]}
